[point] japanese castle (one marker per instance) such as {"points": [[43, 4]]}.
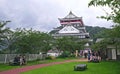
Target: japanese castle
{"points": [[71, 25]]}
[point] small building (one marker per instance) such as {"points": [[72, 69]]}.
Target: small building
{"points": [[53, 52], [111, 52]]}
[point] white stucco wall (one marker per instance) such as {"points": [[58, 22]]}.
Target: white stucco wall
{"points": [[53, 54], [113, 54]]}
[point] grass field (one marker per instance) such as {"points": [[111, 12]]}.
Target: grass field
{"points": [[4, 67], [68, 68]]}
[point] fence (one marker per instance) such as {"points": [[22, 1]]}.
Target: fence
{"points": [[6, 58]]}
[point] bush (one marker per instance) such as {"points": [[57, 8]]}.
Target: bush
{"points": [[51, 57], [64, 54], [72, 55], [38, 59]]}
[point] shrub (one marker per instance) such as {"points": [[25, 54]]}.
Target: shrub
{"points": [[72, 55], [38, 59], [64, 54], [51, 57]]}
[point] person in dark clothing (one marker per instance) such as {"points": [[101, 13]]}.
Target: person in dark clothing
{"points": [[16, 60], [89, 54]]}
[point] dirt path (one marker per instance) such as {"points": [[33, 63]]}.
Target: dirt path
{"points": [[27, 68]]}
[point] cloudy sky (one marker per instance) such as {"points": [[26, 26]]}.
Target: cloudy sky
{"points": [[43, 15]]}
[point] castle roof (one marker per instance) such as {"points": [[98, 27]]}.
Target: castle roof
{"points": [[69, 29], [71, 15]]}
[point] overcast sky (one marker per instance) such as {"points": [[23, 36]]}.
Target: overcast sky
{"points": [[43, 15]]}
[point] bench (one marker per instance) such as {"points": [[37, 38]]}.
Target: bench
{"points": [[80, 67]]}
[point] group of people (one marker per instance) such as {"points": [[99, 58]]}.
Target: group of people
{"points": [[19, 60], [94, 56]]}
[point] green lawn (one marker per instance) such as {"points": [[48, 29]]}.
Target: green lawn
{"points": [[7, 67], [67, 68]]}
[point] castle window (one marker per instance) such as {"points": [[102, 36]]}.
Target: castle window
{"points": [[72, 29], [65, 29]]}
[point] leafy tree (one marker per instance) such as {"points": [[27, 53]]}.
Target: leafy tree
{"points": [[32, 41], [114, 5], [113, 34], [100, 45], [3, 32], [70, 44], [8, 41]]}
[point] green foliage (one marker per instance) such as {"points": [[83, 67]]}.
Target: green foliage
{"points": [[115, 32], [69, 44], [103, 34], [33, 42], [5, 34], [65, 54], [3, 30], [113, 35], [50, 58], [100, 45], [1, 52], [72, 55], [27, 41], [114, 5], [95, 31]]}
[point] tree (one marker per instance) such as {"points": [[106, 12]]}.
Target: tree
{"points": [[70, 44], [3, 32], [114, 35], [114, 5], [8, 41], [30, 41]]}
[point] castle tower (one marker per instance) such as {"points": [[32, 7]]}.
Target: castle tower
{"points": [[71, 25]]}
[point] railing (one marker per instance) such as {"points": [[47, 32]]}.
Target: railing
{"points": [[6, 58]]}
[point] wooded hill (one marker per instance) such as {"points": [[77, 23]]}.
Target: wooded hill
{"points": [[96, 32]]}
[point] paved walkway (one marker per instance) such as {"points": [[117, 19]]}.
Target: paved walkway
{"points": [[27, 68]]}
